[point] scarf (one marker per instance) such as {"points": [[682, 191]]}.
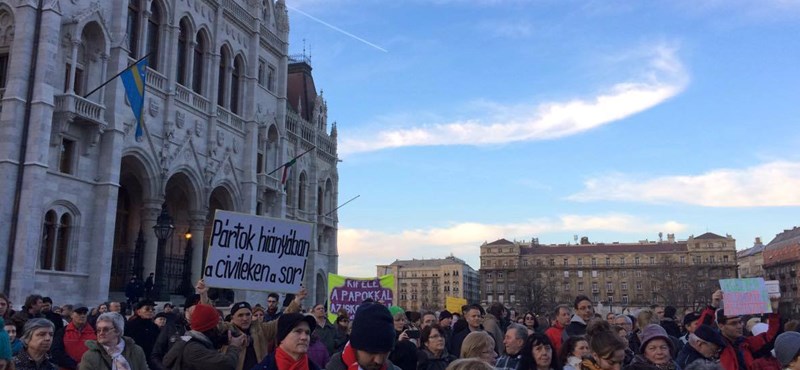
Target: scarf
{"points": [[118, 361], [286, 362], [350, 360], [640, 359]]}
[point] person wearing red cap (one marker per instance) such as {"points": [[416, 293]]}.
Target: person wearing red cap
{"points": [[199, 349]]}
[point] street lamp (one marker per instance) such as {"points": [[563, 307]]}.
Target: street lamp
{"points": [[163, 230], [186, 281]]}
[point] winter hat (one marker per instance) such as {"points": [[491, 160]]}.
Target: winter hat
{"points": [[654, 331], [394, 310], [690, 318], [709, 335], [787, 346], [759, 328], [191, 301], [445, 315], [287, 322], [240, 306], [373, 329], [143, 303], [670, 311], [204, 318], [5, 343]]}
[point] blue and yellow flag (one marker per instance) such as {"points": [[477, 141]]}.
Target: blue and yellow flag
{"points": [[134, 80]]}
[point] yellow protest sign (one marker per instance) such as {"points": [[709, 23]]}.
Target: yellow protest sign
{"points": [[453, 304]]}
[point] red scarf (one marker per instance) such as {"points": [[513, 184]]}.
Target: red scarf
{"points": [[350, 360], [286, 362]]}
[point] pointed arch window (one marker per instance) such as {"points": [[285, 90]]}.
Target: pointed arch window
{"points": [[184, 40], [224, 62], [154, 35], [236, 78], [198, 67], [133, 28], [301, 192], [56, 236]]}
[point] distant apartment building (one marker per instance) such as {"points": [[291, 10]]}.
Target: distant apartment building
{"points": [[751, 260], [781, 262], [530, 276], [425, 283]]}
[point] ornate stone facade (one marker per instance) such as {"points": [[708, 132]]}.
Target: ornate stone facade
{"points": [[216, 123]]}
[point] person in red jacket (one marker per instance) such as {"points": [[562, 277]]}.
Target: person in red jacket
{"points": [[562, 315], [738, 354], [69, 342]]}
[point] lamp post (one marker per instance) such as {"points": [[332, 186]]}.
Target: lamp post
{"points": [[186, 281], [163, 230]]}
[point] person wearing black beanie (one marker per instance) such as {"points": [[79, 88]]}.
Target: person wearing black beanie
{"points": [[372, 338]]}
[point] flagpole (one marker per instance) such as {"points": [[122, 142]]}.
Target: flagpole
{"points": [[283, 165], [116, 75], [343, 204]]}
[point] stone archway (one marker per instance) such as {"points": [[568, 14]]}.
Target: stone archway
{"points": [[220, 199], [181, 194], [129, 244]]}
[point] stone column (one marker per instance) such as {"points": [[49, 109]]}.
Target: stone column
{"points": [[150, 211], [73, 65], [197, 225], [103, 75]]}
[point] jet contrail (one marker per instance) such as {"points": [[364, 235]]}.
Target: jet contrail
{"points": [[337, 29]]}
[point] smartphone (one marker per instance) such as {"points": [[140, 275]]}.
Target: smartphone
{"points": [[413, 334]]}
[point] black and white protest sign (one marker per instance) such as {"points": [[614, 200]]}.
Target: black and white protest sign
{"points": [[257, 253]]}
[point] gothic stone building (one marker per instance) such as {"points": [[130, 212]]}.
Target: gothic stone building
{"points": [[224, 106], [617, 275]]}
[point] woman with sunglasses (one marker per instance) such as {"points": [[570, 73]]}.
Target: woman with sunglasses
{"points": [[531, 323]]}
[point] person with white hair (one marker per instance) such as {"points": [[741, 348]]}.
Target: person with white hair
{"points": [[111, 350], [37, 338]]}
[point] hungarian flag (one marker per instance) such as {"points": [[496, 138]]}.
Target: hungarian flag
{"points": [[286, 171]]}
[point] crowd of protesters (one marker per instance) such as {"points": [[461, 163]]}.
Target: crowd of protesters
{"points": [[199, 336]]}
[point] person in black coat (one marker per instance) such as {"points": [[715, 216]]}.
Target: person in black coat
{"points": [[584, 311], [173, 330], [141, 328], [669, 322]]}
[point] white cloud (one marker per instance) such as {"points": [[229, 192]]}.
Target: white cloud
{"points": [[771, 184], [664, 78], [360, 250]]}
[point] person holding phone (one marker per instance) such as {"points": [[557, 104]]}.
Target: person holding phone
{"points": [[404, 354]]}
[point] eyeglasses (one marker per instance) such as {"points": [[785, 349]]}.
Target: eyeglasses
{"points": [[104, 330]]}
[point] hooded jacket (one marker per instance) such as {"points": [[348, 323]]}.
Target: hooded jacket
{"points": [[555, 334], [194, 351]]}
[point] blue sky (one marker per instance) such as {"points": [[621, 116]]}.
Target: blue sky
{"points": [[468, 121]]}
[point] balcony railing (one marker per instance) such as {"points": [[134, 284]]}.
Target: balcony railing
{"points": [[75, 106], [155, 79], [191, 98], [229, 119]]}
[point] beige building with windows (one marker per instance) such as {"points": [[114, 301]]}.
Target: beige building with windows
{"points": [[224, 105], [423, 285], [617, 275]]}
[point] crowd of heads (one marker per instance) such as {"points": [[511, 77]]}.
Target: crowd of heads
{"points": [[567, 337]]}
